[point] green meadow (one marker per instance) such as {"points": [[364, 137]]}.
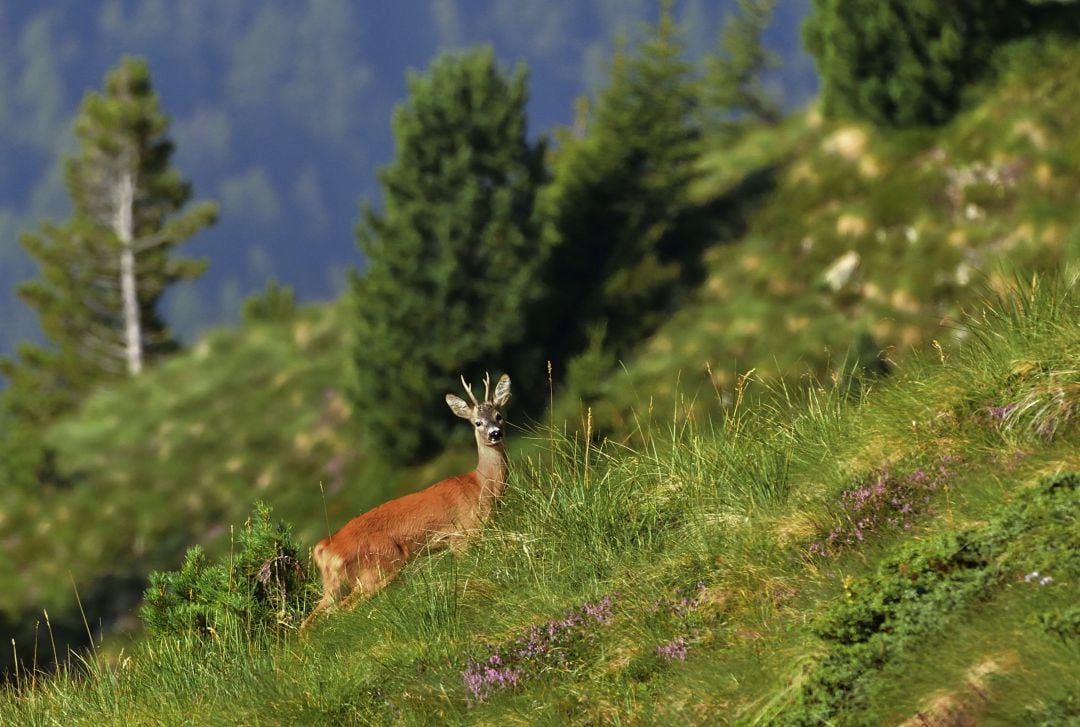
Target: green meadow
{"points": [[839, 484]]}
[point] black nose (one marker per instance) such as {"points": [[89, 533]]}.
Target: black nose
{"points": [[495, 435]]}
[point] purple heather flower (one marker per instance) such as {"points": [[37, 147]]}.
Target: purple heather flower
{"points": [[509, 665], [999, 413], [674, 649], [481, 680], [599, 611], [884, 499]]}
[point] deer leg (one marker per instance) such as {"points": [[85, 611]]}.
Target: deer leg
{"points": [[332, 572], [371, 580], [324, 603]]}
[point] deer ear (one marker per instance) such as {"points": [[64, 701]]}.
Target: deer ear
{"points": [[458, 406], [502, 391]]}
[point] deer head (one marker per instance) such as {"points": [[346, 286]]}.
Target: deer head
{"points": [[485, 416]]}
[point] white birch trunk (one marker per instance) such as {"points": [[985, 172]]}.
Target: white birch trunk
{"points": [[124, 211]]}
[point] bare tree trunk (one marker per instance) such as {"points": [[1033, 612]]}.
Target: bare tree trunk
{"points": [[122, 225]]}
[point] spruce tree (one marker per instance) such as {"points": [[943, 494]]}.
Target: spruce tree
{"points": [[452, 259], [905, 62], [734, 84], [104, 271], [618, 199]]}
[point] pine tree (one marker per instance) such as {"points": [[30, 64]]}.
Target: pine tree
{"points": [[452, 259], [104, 271], [905, 62], [734, 83], [618, 200], [275, 303]]}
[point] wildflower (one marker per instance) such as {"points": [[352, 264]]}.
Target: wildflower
{"points": [[1045, 580], [998, 414], [883, 500], [674, 649], [1033, 575], [688, 601], [481, 679], [599, 611], [540, 645]]}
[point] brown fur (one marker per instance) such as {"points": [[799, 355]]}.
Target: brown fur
{"points": [[366, 554]]}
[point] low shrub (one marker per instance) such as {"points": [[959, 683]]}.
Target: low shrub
{"points": [[917, 592], [262, 586], [884, 500]]}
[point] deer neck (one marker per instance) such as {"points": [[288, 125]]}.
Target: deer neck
{"points": [[491, 470]]}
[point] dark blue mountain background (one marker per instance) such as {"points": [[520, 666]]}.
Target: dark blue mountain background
{"points": [[281, 112]]}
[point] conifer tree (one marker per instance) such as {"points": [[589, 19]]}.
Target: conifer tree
{"points": [[452, 259], [905, 62], [104, 271], [734, 83], [618, 198]]}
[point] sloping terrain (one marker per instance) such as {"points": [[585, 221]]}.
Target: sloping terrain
{"points": [[806, 553], [912, 555], [862, 244], [174, 458], [178, 457]]}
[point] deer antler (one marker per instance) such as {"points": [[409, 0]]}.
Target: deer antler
{"points": [[487, 383], [468, 390]]}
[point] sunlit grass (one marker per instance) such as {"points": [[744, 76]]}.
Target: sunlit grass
{"points": [[691, 494], [693, 544], [935, 217]]}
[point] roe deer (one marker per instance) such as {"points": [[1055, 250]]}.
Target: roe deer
{"points": [[362, 557]]}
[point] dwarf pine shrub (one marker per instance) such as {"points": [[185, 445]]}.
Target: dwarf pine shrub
{"points": [[915, 592], [261, 586]]}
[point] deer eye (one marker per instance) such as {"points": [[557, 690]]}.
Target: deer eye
{"points": [[479, 423], [498, 417]]}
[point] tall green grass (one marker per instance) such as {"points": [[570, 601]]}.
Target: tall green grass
{"points": [[675, 575], [259, 413]]}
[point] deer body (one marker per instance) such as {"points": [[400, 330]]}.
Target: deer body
{"points": [[366, 554]]}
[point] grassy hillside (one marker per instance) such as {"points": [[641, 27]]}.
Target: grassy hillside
{"points": [[850, 242], [741, 548], [178, 457], [859, 562]]}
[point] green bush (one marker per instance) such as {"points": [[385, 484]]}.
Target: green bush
{"points": [[263, 586]]}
